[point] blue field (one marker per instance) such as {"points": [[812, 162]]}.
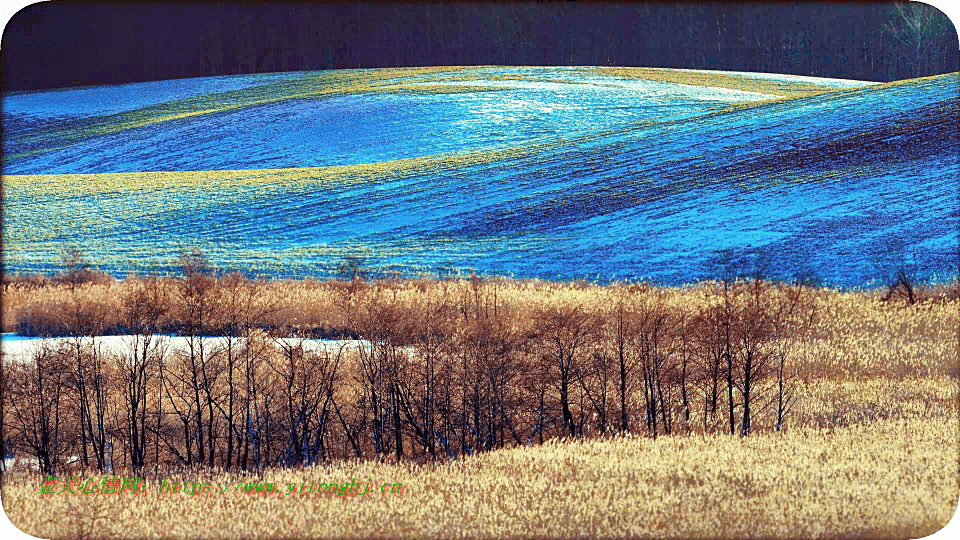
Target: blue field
{"points": [[553, 173]]}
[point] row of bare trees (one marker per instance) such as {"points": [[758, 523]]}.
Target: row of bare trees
{"points": [[454, 369]]}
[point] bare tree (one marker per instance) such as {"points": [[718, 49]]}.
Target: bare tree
{"points": [[652, 344], [77, 269], [620, 338], [565, 334], [381, 325], [919, 26], [84, 320], [240, 304], [707, 330], [419, 384], [308, 380], [794, 313], [89, 384], [754, 335], [257, 416], [4, 393], [195, 293], [141, 363], [488, 378], [900, 268], [37, 388]]}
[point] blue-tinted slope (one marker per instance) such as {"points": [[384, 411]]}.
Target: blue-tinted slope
{"points": [[837, 184]]}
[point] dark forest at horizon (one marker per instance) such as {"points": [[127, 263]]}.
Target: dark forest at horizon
{"points": [[51, 45]]}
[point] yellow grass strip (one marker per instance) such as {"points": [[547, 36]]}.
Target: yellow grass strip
{"points": [[889, 479]]}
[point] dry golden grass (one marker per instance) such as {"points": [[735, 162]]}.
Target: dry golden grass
{"points": [[870, 450], [889, 478], [854, 334]]}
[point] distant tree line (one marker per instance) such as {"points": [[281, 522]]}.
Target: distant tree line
{"points": [[445, 368], [64, 44]]}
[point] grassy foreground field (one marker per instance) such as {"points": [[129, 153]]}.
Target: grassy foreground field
{"points": [[888, 478], [869, 448]]}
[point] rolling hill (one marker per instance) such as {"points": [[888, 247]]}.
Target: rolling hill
{"points": [[554, 173]]}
